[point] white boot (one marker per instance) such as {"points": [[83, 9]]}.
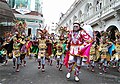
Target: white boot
{"points": [[68, 75], [76, 78]]}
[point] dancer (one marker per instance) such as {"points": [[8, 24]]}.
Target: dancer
{"points": [[16, 52], [79, 39], [42, 52]]}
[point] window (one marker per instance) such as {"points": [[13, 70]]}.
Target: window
{"points": [[69, 22], [30, 20], [74, 18], [80, 14], [98, 5], [88, 9]]}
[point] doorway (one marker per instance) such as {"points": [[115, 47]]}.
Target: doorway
{"points": [[29, 31]]}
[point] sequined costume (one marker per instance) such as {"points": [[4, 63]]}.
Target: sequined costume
{"points": [[80, 42], [42, 53]]}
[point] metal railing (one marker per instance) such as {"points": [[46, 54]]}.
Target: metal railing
{"points": [[103, 11]]}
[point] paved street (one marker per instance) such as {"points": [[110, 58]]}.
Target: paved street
{"points": [[31, 75], [85, 28]]}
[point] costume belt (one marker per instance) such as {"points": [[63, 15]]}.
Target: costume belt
{"points": [[74, 54], [76, 44], [42, 49], [16, 49]]}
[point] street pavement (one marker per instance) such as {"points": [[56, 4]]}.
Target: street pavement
{"points": [[31, 75]]}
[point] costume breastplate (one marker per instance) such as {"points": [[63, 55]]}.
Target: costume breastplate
{"points": [[104, 48], [117, 47], [16, 46], [76, 39], [42, 44]]}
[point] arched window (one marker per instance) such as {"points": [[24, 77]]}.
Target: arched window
{"points": [[70, 22], [79, 14], [74, 18], [98, 5], [88, 9], [110, 1], [66, 24]]}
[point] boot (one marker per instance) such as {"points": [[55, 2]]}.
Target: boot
{"points": [[70, 66], [14, 60], [115, 65], [57, 64], [24, 63], [88, 66], [17, 70], [104, 69], [43, 68], [39, 64], [68, 75], [6, 62], [77, 79], [100, 66], [21, 61], [60, 68], [76, 74], [77, 69], [50, 62], [13, 64], [92, 69]]}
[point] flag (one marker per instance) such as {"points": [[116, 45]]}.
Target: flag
{"points": [[66, 59], [85, 52], [89, 30], [111, 49]]}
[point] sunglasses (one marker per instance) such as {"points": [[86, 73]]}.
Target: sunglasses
{"points": [[75, 26]]}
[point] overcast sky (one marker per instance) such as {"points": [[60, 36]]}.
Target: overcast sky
{"points": [[53, 8]]}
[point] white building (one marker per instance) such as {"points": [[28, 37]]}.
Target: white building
{"points": [[102, 15], [52, 28], [29, 11]]}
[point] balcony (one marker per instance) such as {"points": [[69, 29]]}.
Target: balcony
{"points": [[104, 13]]}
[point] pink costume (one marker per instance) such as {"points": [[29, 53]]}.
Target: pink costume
{"points": [[80, 43], [79, 40]]}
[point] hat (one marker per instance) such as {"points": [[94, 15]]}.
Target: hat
{"points": [[76, 22], [16, 32], [88, 29]]}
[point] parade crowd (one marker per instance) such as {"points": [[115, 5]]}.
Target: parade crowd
{"points": [[70, 49]]}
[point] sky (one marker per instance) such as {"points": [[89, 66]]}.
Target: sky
{"points": [[53, 8]]}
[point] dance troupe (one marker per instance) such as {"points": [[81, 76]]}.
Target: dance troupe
{"points": [[81, 45]]}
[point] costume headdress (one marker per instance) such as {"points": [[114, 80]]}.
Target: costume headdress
{"points": [[77, 22], [88, 30]]}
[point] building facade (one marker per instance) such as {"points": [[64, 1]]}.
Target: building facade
{"points": [[29, 11], [102, 15], [6, 18]]}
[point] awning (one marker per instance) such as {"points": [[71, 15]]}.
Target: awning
{"points": [[6, 14], [6, 18]]}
